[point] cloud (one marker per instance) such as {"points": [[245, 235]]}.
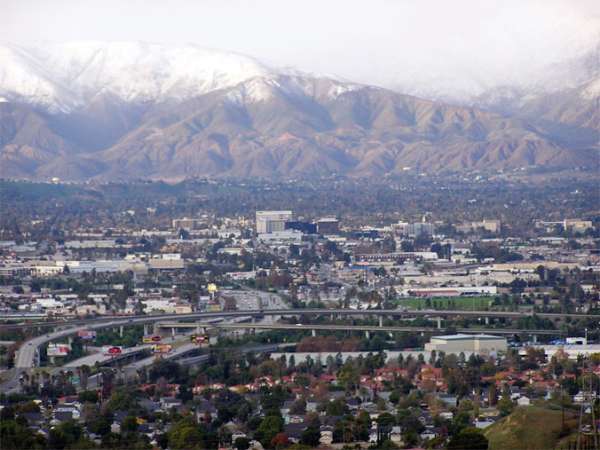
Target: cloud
{"points": [[443, 45]]}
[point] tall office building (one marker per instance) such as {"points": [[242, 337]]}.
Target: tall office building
{"points": [[272, 221]]}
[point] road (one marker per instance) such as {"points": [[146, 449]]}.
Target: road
{"points": [[374, 328], [101, 358], [146, 319], [26, 355]]}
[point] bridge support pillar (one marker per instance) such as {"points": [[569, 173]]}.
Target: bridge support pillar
{"points": [[173, 332], [146, 329], [439, 323], [70, 340], [487, 320], [367, 335], [380, 321], [313, 332], [535, 339], [121, 329]]}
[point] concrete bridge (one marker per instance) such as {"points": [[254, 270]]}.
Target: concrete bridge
{"points": [[203, 327], [396, 313]]}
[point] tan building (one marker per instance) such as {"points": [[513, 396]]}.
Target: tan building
{"points": [[493, 226], [577, 225], [467, 343]]}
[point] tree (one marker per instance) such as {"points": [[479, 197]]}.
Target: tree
{"points": [[468, 439], [268, 429], [129, 424], [349, 376], [65, 434], [185, 394], [184, 434], [298, 407], [84, 373], [385, 422], [88, 396], [310, 436], [15, 435], [280, 440], [242, 443], [505, 406], [336, 407]]}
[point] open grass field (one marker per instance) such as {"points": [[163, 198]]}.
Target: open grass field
{"points": [[477, 303]]}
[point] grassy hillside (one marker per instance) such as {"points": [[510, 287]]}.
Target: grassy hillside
{"points": [[529, 428]]}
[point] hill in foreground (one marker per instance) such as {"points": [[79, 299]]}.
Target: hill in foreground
{"points": [[531, 428]]}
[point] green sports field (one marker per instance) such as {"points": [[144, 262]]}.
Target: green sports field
{"points": [[477, 303]]}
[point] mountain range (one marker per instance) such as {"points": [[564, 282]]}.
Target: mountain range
{"points": [[118, 111]]}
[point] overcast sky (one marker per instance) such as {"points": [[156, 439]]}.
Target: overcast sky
{"points": [[375, 41]]}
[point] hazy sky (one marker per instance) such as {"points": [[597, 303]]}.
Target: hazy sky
{"points": [[374, 41]]}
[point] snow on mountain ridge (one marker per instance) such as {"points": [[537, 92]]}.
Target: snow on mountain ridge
{"points": [[130, 70]]}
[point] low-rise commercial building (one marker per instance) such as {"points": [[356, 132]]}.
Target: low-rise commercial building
{"points": [[475, 343]]}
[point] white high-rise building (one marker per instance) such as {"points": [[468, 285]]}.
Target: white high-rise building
{"points": [[272, 221]]}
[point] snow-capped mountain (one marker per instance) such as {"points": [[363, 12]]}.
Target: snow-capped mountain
{"points": [[122, 110], [506, 94], [62, 77]]}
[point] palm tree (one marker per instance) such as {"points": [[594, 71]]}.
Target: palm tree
{"points": [[24, 379], [84, 373]]}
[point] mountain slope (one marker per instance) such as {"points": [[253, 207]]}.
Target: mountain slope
{"points": [[118, 111], [27, 142], [571, 116], [362, 131]]}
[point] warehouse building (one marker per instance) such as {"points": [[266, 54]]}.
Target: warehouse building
{"points": [[467, 343]]}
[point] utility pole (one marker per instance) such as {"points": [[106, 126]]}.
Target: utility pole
{"points": [[589, 399]]}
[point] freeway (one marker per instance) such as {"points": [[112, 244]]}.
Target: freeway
{"points": [[175, 353], [373, 328], [26, 355], [190, 348], [147, 319], [100, 358]]}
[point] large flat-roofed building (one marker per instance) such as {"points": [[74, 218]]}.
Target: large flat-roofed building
{"points": [[303, 227], [414, 229], [272, 221], [189, 224], [475, 343], [328, 225]]}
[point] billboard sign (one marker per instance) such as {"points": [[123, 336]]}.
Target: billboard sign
{"points": [[200, 339], [162, 348], [151, 339], [58, 349], [112, 350], [86, 335]]}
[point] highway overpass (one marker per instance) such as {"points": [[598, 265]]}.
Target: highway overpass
{"points": [[336, 327], [148, 319], [26, 355]]}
